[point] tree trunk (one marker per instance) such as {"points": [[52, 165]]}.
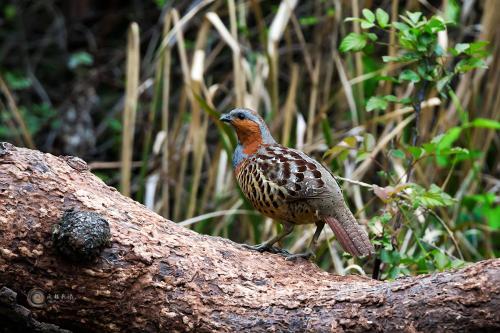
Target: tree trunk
{"points": [[157, 276]]}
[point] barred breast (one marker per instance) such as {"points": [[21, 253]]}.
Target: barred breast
{"points": [[279, 182]]}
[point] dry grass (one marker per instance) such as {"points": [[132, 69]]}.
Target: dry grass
{"points": [[130, 110], [312, 97]]}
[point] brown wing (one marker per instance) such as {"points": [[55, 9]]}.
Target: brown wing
{"points": [[311, 193], [299, 175]]}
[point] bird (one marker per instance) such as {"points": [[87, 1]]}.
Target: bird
{"points": [[287, 185]]}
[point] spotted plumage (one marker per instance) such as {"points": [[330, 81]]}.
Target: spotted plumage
{"points": [[287, 185], [275, 178]]}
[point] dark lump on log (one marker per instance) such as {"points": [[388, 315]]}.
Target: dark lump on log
{"points": [[81, 235], [5, 147]]}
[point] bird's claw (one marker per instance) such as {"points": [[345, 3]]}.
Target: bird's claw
{"points": [[258, 247], [309, 255], [266, 248]]}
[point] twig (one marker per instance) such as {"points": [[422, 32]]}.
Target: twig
{"points": [[356, 182], [450, 233], [207, 216], [27, 138]]}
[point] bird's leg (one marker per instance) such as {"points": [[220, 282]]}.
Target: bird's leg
{"points": [[311, 251], [267, 246]]}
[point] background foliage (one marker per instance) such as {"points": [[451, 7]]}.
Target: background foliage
{"points": [[406, 113]]}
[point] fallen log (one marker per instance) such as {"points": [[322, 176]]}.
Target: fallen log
{"points": [[153, 275]]}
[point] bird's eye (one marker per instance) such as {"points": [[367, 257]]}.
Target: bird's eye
{"points": [[240, 116]]}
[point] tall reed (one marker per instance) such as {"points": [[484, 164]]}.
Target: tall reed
{"points": [[130, 109]]}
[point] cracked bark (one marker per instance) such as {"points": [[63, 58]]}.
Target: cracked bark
{"points": [[157, 276]]}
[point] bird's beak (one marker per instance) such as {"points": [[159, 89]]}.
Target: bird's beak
{"points": [[225, 118]]}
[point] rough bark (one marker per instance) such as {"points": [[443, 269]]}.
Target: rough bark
{"points": [[155, 275]]}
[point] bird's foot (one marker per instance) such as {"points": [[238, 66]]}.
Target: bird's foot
{"points": [[266, 248], [308, 255]]}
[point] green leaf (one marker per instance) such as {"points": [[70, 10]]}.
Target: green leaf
{"points": [[441, 260], [456, 151], [391, 98], [447, 199], [115, 125], [452, 11], [466, 65], [408, 21], [344, 145], [376, 103], [368, 14], [457, 263], [409, 75], [431, 146], [80, 59], [368, 142], [406, 100], [442, 161], [426, 41], [371, 36], [353, 19], [353, 42], [397, 153], [493, 216], [443, 82], [382, 17], [449, 137], [366, 24], [394, 273], [160, 3], [485, 123], [408, 43], [10, 12], [414, 17], [390, 59], [423, 70], [483, 199], [308, 20], [434, 197], [410, 56], [16, 81], [478, 48], [361, 156], [416, 152], [386, 257], [400, 26], [435, 25], [460, 48], [334, 151], [327, 131], [350, 141]]}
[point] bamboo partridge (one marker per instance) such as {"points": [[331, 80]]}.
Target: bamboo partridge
{"points": [[287, 185]]}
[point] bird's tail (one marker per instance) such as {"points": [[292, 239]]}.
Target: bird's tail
{"points": [[350, 234]]}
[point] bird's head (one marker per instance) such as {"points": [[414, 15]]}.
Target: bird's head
{"points": [[250, 128]]}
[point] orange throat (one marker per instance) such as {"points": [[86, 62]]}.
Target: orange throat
{"points": [[249, 135]]}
